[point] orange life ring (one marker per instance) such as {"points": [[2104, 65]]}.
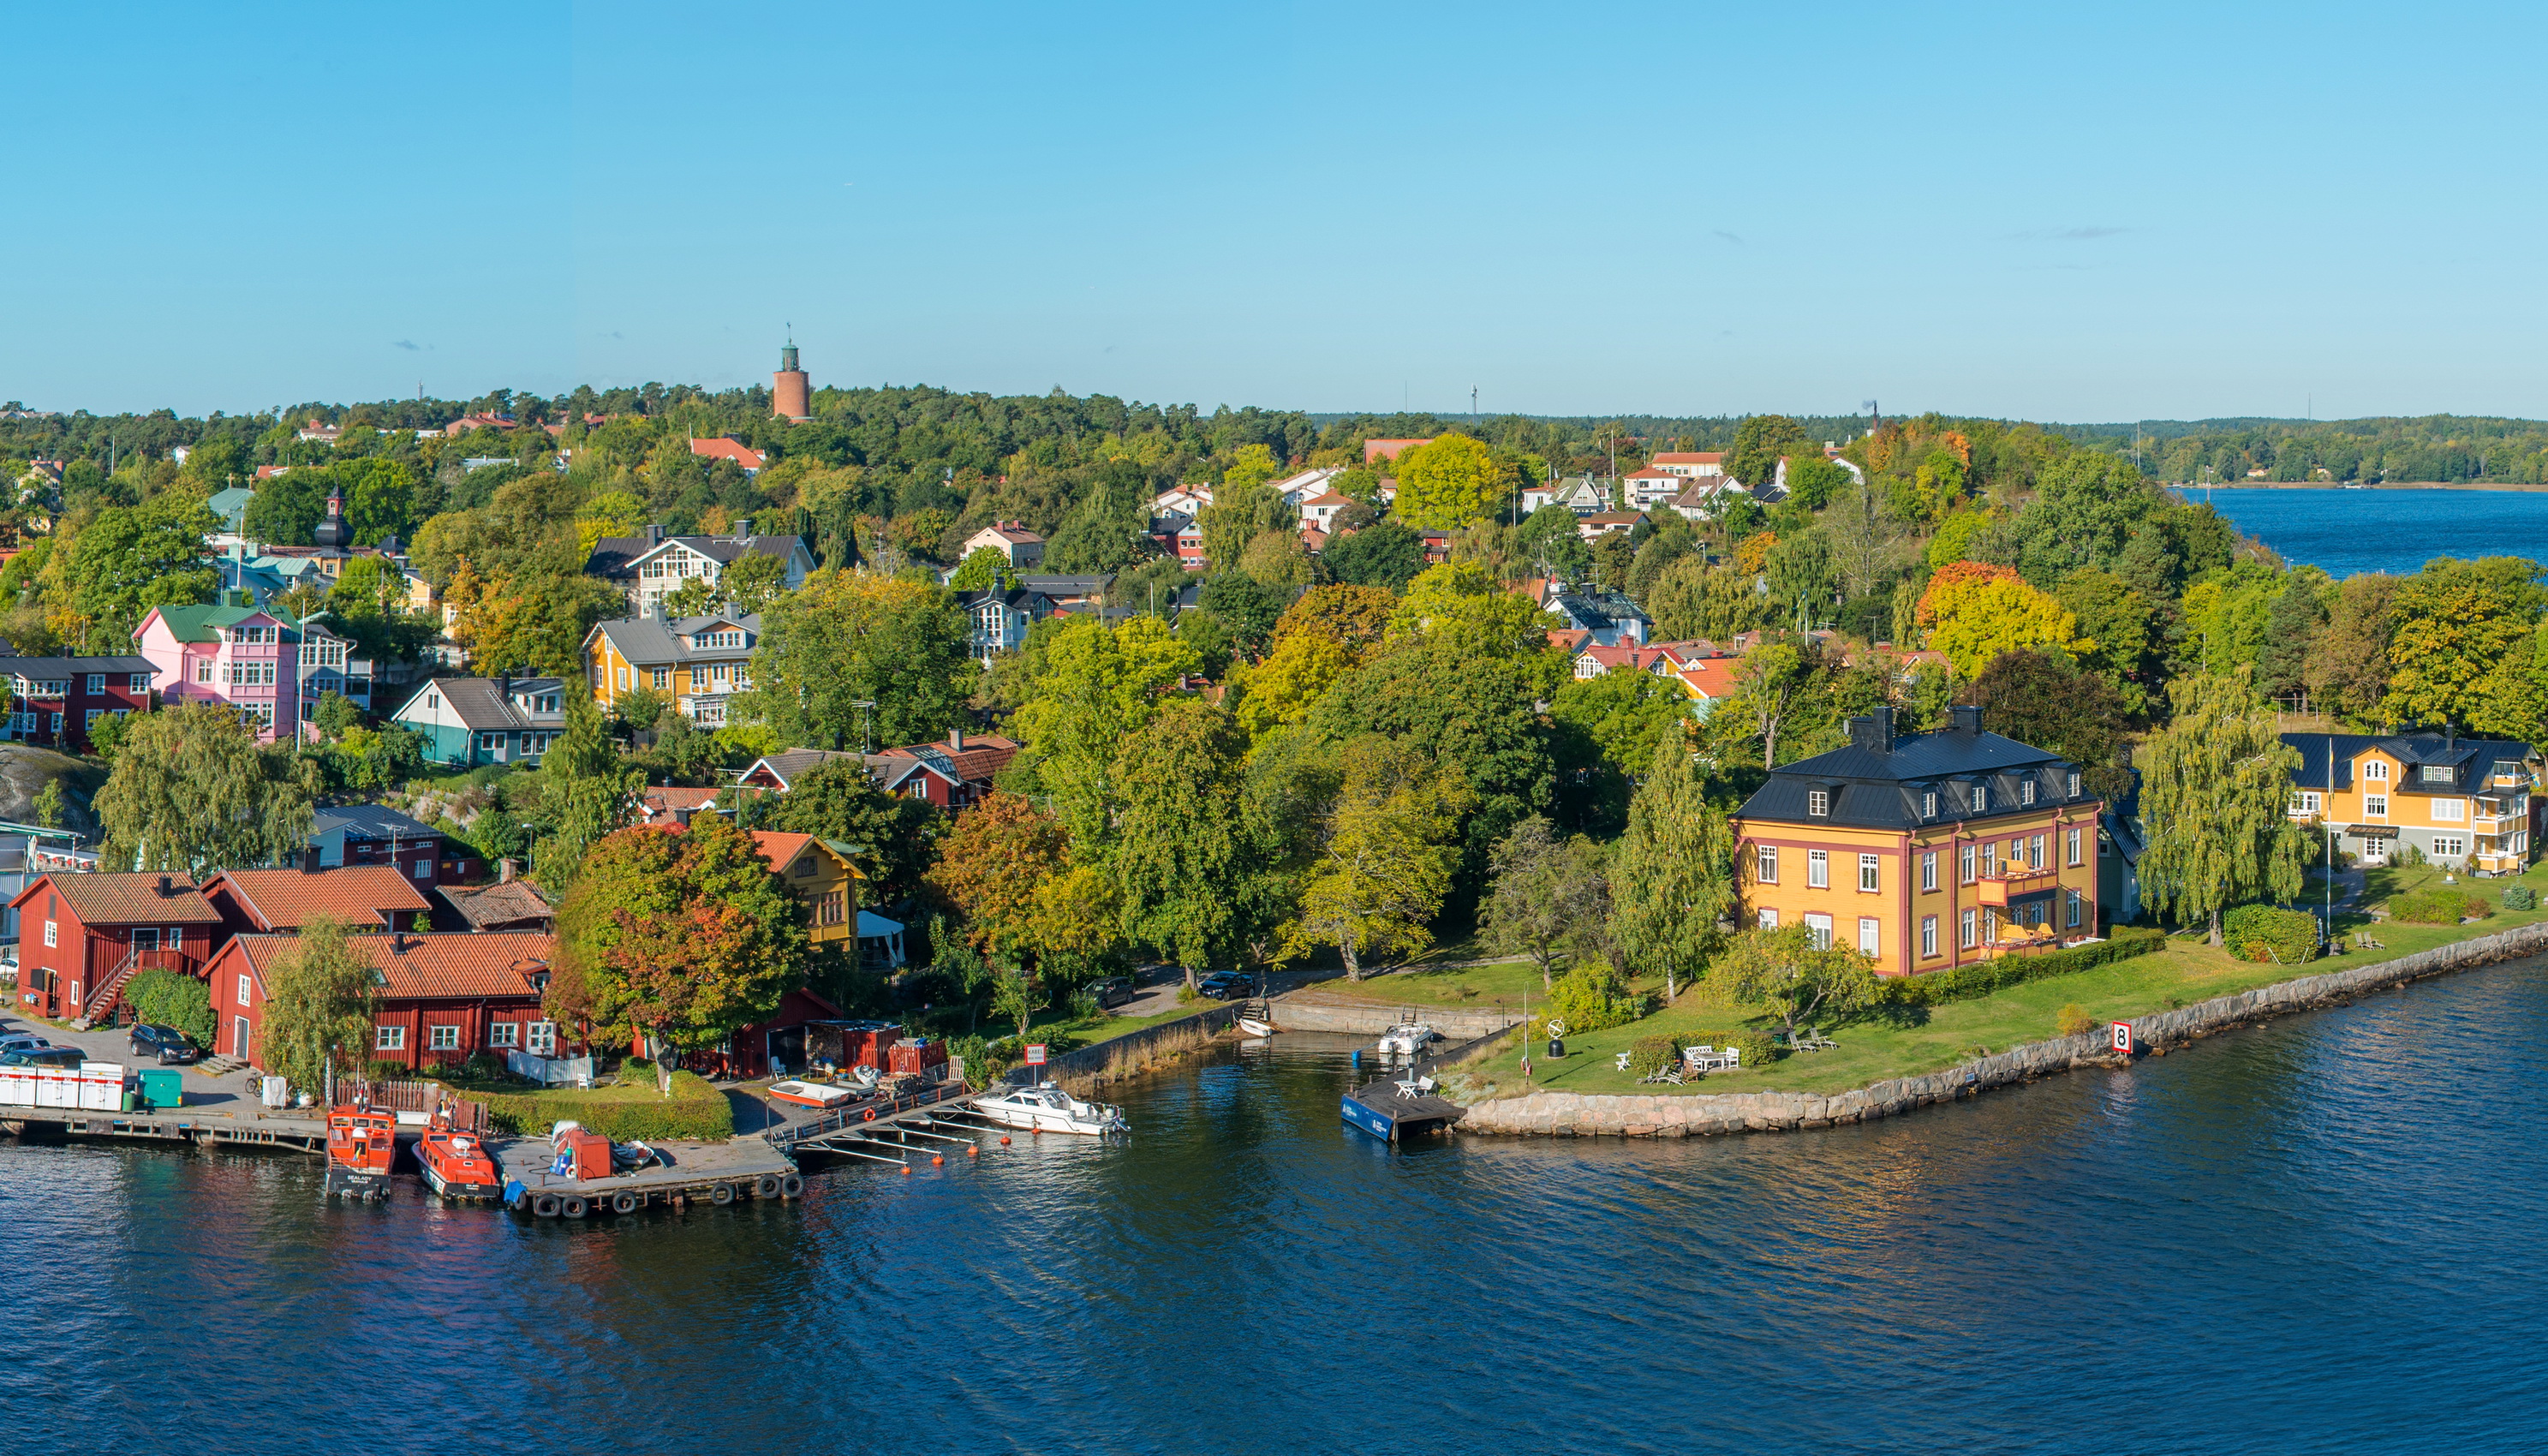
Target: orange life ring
{"points": [[870, 1113]]}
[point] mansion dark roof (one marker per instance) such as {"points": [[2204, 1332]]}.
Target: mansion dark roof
{"points": [[1881, 780], [2473, 761]]}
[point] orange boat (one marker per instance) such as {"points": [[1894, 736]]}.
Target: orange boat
{"points": [[362, 1142], [456, 1164]]}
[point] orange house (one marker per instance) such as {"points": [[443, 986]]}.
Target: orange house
{"points": [[1925, 850]]}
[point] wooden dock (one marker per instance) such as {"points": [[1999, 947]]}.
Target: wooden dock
{"points": [[715, 1173], [1388, 1113], [296, 1135]]}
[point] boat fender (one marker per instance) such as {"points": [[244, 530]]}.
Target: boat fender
{"points": [[721, 1195], [791, 1185], [574, 1206], [768, 1187], [623, 1202], [546, 1205]]}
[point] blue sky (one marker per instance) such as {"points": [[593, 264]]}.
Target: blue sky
{"points": [[2033, 210]]}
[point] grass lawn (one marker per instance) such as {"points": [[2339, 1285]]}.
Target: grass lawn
{"points": [[1502, 984], [1909, 1041]]}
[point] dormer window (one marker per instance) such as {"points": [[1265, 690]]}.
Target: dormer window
{"points": [[2026, 791], [2375, 769], [2437, 772], [1981, 798], [1818, 802], [2074, 783], [1928, 804]]}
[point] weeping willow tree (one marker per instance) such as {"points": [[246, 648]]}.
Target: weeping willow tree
{"points": [[2216, 784], [193, 792]]}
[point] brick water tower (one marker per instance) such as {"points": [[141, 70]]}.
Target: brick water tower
{"points": [[790, 393]]}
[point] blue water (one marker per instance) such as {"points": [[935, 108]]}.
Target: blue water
{"points": [[2327, 1234], [2343, 532]]}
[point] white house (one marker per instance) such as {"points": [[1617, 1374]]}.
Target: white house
{"points": [[1300, 488], [1320, 510], [1651, 487], [1688, 463], [652, 567], [1186, 500], [1708, 497], [1011, 539]]}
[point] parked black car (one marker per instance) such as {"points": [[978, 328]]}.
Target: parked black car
{"points": [[70, 1057], [172, 1047], [22, 1040], [1222, 985], [1114, 991]]}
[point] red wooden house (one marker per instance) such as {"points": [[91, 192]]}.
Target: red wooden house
{"points": [[81, 936], [441, 997], [360, 897]]}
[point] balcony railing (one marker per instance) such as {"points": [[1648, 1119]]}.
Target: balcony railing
{"points": [[2015, 882]]}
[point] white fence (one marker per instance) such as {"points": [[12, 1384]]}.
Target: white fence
{"points": [[550, 1072]]}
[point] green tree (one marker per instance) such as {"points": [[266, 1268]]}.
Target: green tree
{"points": [[2042, 699], [319, 1008], [1098, 687], [752, 581], [335, 714], [2461, 650], [1786, 970], [1548, 897], [192, 791], [1448, 484], [1674, 871], [1759, 443], [48, 803], [1185, 858], [1470, 716], [845, 638], [689, 937], [1388, 554], [2216, 785], [126, 562], [1384, 858], [982, 570], [992, 866], [586, 792], [1013, 997]]}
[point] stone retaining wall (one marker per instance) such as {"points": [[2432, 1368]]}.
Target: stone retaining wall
{"points": [[1294, 1014], [1579, 1114]]}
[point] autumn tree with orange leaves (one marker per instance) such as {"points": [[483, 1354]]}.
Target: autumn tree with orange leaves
{"points": [[685, 935]]}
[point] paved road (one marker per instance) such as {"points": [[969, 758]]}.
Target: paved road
{"points": [[228, 1094]]}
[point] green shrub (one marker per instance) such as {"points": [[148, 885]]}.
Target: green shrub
{"points": [[2073, 1020], [1593, 998], [2520, 897], [1936, 987], [695, 1110], [1758, 1047], [2263, 933], [1651, 1055], [2442, 905], [171, 998]]}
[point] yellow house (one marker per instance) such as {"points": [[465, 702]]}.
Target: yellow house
{"points": [[1924, 850], [2462, 802], [818, 872], [698, 662]]}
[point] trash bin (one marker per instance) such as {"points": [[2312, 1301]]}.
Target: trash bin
{"points": [[1556, 1049], [129, 1098], [163, 1088]]}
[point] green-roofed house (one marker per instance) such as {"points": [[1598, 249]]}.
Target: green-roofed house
{"points": [[238, 657]]}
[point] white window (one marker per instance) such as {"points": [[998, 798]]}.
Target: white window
{"points": [[389, 1038], [1927, 936], [96, 682], [243, 988], [425, 869], [2375, 806], [1819, 928], [662, 679], [1769, 919], [504, 1034], [1818, 802], [1869, 867], [491, 743], [624, 682], [1929, 870], [2437, 772], [52, 934], [2449, 846], [1965, 931], [2035, 851], [1818, 869], [2072, 846], [202, 669], [1965, 864], [2450, 812], [442, 1039], [138, 683], [1990, 859], [2303, 802], [543, 1037], [1867, 935], [1928, 804], [1768, 863], [1981, 798], [2074, 786], [2026, 791], [2074, 900], [2375, 769]]}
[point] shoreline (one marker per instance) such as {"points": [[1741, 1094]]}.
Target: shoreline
{"points": [[2187, 492], [1593, 1115]]}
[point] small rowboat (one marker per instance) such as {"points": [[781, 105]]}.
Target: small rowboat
{"points": [[1257, 1028], [813, 1094]]}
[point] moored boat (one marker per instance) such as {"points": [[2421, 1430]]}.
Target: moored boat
{"points": [[362, 1142], [1048, 1108], [456, 1164], [1405, 1039], [1256, 1026]]}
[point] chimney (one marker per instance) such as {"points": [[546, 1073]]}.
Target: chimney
{"points": [[505, 871], [1968, 718], [743, 529], [956, 740], [309, 860], [166, 887], [655, 534], [1874, 731]]}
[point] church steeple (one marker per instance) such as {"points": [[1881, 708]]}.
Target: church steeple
{"points": [[333, 534]]}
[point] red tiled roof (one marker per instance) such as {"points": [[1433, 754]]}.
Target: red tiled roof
{"points": [[1689, 457], [1568, 639], [1388, 449], [1712, 676], [357, 895], [722, 448], [447, 966], [128, 899], [661, 803], [507, 903]]}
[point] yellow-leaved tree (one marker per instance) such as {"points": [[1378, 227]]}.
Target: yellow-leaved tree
{"points": [[1978, 620], [1384, 856], [1448, 484]]}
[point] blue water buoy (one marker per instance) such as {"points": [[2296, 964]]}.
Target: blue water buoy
{"points": [[1357, 1061]]}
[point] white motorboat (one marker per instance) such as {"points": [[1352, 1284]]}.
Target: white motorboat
{"points": [[1405, 1039], [1048, 1108], [1256, 1026]]}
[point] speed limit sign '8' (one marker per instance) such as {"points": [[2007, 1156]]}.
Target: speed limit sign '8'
{"points": [[2124, 1038]]}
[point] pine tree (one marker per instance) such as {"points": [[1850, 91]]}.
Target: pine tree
{"points": [[2216, 784], [1672, 872]]}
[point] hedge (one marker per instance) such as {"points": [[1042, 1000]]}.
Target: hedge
{"points": [[2261, 932], [1758, 1047], [2439, 906], [170, 998], [1965, 982], [694, 1111]]}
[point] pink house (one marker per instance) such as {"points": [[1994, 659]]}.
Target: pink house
{"points": [[241, 657]]}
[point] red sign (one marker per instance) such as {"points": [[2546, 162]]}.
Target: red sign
{"points": [[1035, 1055], [2124, 1037]]}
